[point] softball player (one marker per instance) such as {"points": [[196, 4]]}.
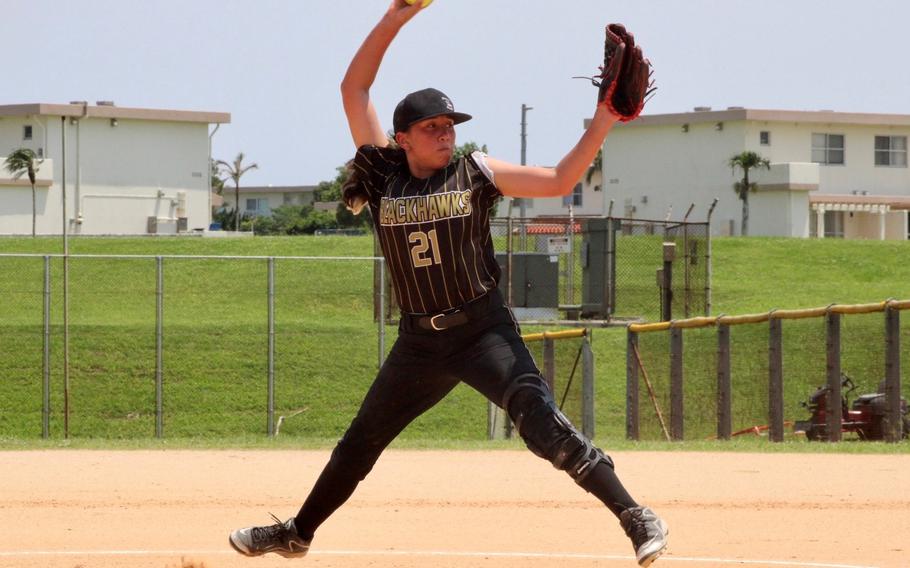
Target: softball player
{"points": [[432, 219]]}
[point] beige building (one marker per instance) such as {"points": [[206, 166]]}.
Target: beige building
{"points": [[833, 174], [261, 200], [128, 171]]}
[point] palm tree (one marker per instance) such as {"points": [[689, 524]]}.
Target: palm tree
{"points": [[746, 160], [596, 166], [24, 161], [235, 171]]}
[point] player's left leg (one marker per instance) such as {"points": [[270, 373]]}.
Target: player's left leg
{"points": [[500, 366]]}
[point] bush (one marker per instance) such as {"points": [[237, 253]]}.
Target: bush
{"points": [[293, 220]]}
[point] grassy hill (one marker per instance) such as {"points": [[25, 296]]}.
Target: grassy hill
{"points": [[216, 333]]}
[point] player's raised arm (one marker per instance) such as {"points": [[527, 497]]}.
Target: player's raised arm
{"points": [[530, 181], [624, 85], [355, 87]]}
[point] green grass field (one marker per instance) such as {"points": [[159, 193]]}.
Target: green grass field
{"points": [[216, 335]]}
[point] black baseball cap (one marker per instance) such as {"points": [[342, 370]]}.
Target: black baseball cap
{"points": [[424, 104]]}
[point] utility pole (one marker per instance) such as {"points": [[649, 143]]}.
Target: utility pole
{"points": [[523, 201], [524, 151]]}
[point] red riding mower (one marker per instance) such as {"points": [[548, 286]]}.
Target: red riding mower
{"points": [[865, 416]]}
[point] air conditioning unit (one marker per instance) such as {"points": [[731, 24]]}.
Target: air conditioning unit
{"points": [[163, 226]]}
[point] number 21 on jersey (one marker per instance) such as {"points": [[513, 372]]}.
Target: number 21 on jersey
{"points": [[424, 243]]}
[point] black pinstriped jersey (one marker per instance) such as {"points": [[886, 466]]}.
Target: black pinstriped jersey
{"points": [[434, 232]]}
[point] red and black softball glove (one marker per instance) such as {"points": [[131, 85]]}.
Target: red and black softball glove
{"points": [[624, 83]]}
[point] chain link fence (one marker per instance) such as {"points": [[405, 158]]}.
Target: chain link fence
{"points": [[601, 267], [721, 377], [187, 346]]}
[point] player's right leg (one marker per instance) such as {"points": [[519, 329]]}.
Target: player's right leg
{"points": [[410, 382]]}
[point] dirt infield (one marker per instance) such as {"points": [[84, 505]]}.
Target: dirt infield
{"points": [[423, 509]]}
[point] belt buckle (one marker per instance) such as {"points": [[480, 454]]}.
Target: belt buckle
{"points": [[433, 322]]}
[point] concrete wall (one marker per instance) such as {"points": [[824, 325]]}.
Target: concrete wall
{"points": [[116, 176], [653, 169], [868, 225], [779, 213], [793, 143]]}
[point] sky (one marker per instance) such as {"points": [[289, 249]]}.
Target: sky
{"points": [[276, 65]]}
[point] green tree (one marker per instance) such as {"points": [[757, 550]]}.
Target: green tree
{"points": [[235, 171], [292, 220], [215, 176], [21, 162], [746, 161], [467, 149], [331, 190]]}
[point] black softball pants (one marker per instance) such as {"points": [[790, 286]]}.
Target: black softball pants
{"points": [[487, 353]]}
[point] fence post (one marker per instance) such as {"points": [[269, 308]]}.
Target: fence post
{"points": [[708, 259], [159, 345], [549, 362], [632, 422], [669, 250], [677, 405], [66, 341], [833, 401], [570, 261], [587, 387], [382, 309], [775, 380], [509, 261], [724, 384], [46, 388], [609, 276], [270, 412], [687, 264], [893, 418]]}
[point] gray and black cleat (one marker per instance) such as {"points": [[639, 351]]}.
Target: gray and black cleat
{"points": [[280, 538], [647, 531]]}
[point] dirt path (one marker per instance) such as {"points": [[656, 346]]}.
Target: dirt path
{"points": [[502, 509]]}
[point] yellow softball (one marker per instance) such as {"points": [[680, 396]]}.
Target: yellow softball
{"points": [[425, 2]]}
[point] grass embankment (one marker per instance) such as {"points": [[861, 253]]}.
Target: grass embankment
{"points": [[216, 335]]}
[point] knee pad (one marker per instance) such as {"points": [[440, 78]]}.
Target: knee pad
{"points": [[546, 430]]}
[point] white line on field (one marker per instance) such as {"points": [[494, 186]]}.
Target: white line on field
{"points": [[549, 555]]}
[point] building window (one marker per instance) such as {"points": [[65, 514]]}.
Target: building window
{"points": [[828, 148], [27, 132], [764, 138], [575, 199], [259, 206], [891, 151]]}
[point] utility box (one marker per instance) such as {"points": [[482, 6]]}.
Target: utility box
{"points": [[535, 279], [598, 267]]}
